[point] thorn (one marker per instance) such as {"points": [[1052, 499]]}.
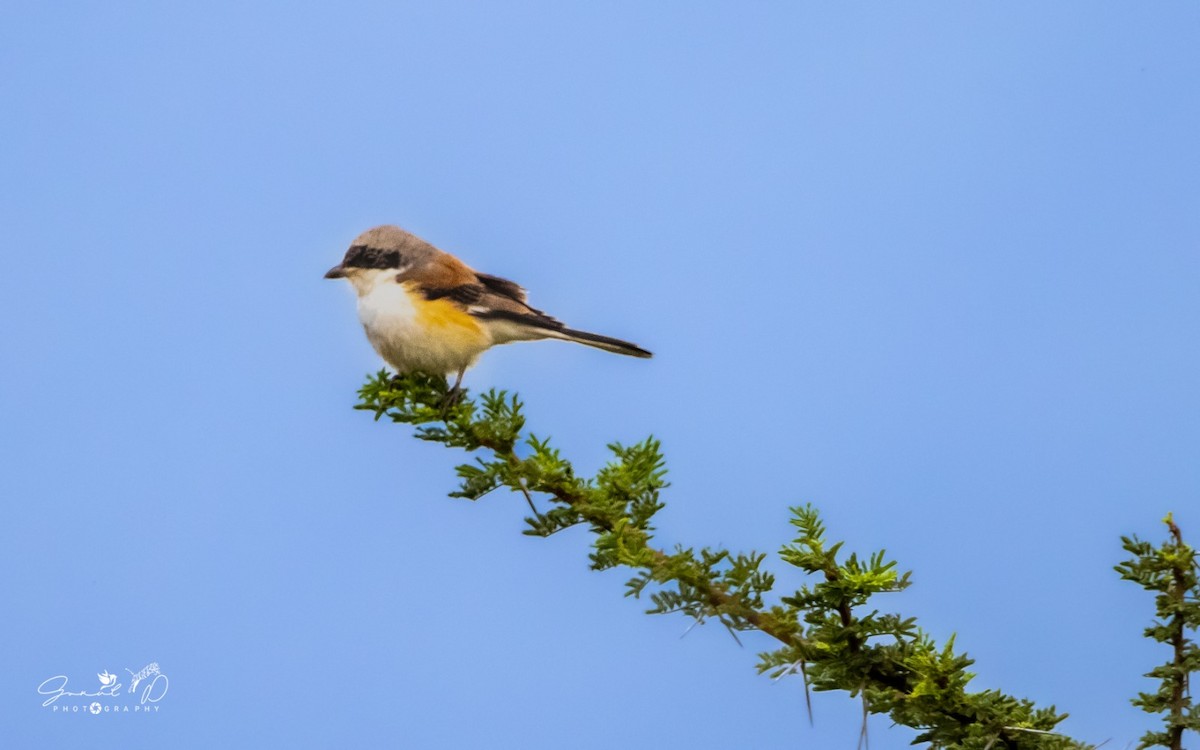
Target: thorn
{"points": [[864, 741], [786, 670], [807, 693], [733, 633], [801, 667]]}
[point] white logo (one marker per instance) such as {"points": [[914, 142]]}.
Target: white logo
{"points": [[149, 669], [147, 687]]}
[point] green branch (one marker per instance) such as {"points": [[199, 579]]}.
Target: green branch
{"points": [[827, 632], [1170, 571]]}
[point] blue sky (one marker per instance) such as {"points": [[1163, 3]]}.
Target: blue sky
{"points": [[931, 267]]}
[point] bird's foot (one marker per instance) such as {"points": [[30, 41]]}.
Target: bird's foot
{"points": [[451, 399]]}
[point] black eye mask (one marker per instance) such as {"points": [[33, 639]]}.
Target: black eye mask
{"points": [[362, 256]]}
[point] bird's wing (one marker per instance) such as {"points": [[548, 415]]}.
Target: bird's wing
{"points": [[503, 287], [502, 304], [490, 297], [505, 300]]}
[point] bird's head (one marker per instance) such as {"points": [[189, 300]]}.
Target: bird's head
{"points": [[382, 252]]}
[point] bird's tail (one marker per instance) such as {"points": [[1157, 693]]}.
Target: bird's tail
{"points": [[606, 343]]}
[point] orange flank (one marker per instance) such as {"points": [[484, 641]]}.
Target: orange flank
{"points": [[448, 322]]}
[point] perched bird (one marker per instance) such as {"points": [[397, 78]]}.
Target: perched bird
{"points": [[425, 310]]}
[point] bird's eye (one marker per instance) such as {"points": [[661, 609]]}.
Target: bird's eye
{"points": [[362, 256], [356, 256]]}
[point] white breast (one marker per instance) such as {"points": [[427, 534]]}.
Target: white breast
{"points": [[389, 315], [386, 308]]}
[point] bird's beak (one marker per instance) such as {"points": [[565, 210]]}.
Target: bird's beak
{"points": [[337, 272]]}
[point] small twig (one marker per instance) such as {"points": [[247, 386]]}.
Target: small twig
{"points": [[529, 499]]}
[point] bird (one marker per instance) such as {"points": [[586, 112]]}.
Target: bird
{"points": [[424, 310]]}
